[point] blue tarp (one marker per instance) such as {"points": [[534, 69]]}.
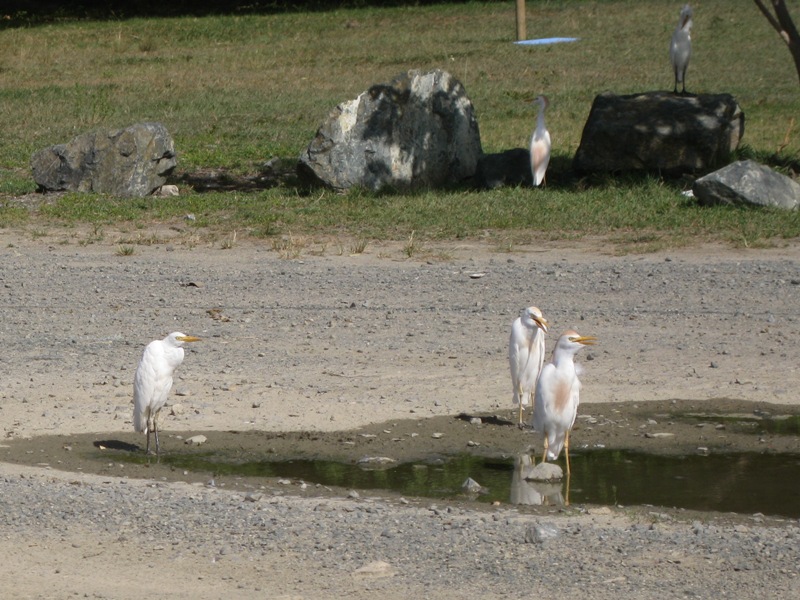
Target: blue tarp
{"points": [[545, 41]]}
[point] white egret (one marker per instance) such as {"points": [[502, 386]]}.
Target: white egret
{"points": [[540, 144], [558, 395], [153, 381], [680, 48], [526, 354]]}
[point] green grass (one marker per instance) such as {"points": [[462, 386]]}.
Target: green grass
{"points": [[235, 91]]}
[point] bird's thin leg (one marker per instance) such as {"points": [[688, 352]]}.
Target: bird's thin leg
{"points": [[566, 451], [566, 492], [521, 409], [155, 431], [147, 449], [544, 455]]}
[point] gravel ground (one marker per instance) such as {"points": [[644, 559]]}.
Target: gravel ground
{"points": [[329, 342]]}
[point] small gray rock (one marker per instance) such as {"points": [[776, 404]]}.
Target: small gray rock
{"points": [[544, 471], [541, 533]]}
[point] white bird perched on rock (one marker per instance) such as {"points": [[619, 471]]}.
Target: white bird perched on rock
{"points": [[540, 144], [680, 48], [558, 395], [153, 381], [526, 354]]}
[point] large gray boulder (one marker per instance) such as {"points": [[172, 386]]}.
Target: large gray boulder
{"points": [[128, 162], [659, 132], [419, 131], [749, 183]]}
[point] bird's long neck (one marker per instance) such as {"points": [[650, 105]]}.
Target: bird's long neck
{"points": [[540, 119], [563, 361]]}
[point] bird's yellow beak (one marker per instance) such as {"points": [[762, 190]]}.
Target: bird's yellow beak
{"points": [[542, 323], [586, 340], [188, 338]]}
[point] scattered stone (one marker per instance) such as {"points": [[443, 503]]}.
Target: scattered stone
{"points": [[196, 440], [475, 421], [376, 568], [541, 533], [375, 462], [470, 486], [418, 131], [131, 162], [599, 510], [437, 435], [658, 435], [166, 191], [253, 496]]}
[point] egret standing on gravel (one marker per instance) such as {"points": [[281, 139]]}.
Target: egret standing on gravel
{"points": [[540, 144], [558, 395], [680, 48], [526, 354], [153, 381]]}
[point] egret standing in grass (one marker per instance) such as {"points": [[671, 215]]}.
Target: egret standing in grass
{"points": [[680, 48], [540, 144], [558, 395], [153, 381], [526, 355]]}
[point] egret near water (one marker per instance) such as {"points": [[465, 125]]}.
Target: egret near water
{"points": [[558, 395], [540, 144], [153, 381], [526, 355], [680, 48]]}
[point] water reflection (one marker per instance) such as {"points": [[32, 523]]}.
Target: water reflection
{"points": [[745, 482], [534, 493]]}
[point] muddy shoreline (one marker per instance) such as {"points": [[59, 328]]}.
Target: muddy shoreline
{"points": [[662, 428]]}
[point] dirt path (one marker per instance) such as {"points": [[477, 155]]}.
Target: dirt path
{"points": [[331, 342]]}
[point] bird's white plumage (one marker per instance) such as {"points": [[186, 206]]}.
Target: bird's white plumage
{"points": [[526, 354], [558, 395], [680, 47], [153, 381], [540, 144]]}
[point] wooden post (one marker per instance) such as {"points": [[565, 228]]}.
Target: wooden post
{"points": [[521, 35]]}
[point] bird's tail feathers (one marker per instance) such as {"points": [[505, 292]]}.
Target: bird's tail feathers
{"points": [[140, 421], [554, 447]]}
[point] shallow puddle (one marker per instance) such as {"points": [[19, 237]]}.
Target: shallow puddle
{"points": [[744, 483]]}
